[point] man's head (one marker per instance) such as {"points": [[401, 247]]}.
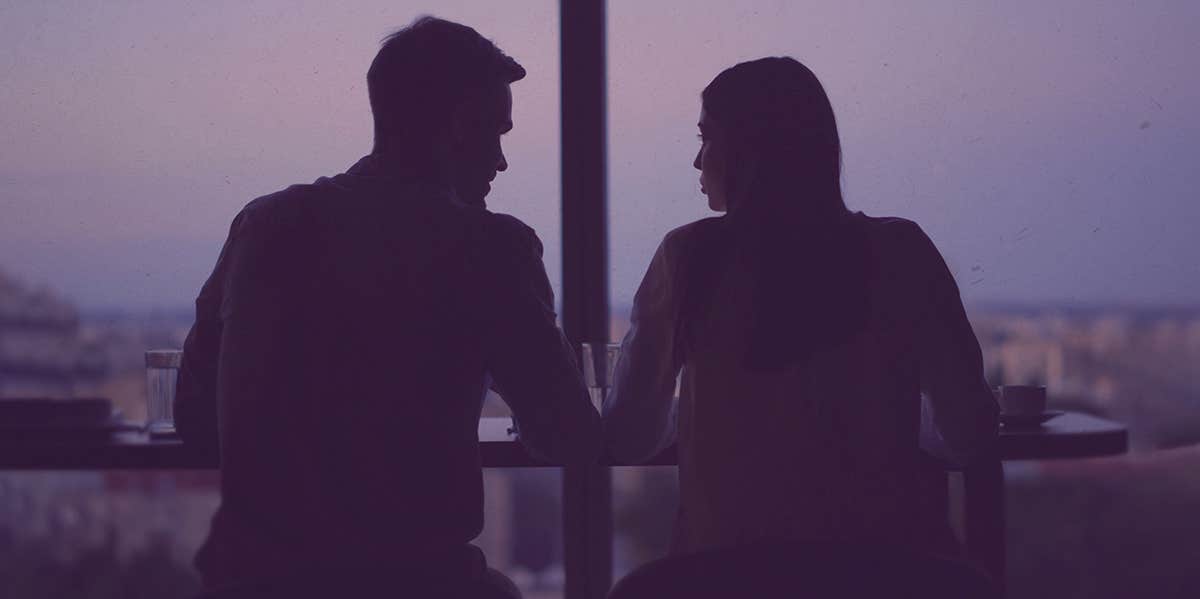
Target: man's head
{"points": [[440, 96]]}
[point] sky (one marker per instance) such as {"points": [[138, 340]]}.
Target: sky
{"points": [[1048, 148]]}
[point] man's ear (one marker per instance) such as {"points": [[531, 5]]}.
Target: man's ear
{"points": [[446, 137], [459, 122]]}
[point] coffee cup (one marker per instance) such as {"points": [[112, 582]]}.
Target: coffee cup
{"points": [[1023, 399]]}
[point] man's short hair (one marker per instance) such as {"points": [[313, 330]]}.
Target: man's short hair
{"points": [[424, 71]]}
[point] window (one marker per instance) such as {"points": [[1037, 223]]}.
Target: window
{"points": [[1048, 151], [132, 136]]}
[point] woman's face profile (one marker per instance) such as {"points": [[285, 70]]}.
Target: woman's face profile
{"points": [[710, 161]]}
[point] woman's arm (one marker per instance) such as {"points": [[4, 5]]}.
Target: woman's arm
{"points": [[637, 410], [960, 405]]}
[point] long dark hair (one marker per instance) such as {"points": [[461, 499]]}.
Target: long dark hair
{"points": [[787, 223]]}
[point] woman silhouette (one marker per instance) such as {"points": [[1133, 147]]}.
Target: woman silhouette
{"points": [[806, 335]]}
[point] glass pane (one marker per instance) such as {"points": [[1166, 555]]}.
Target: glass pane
{"points": [[1048, 150], [133, 133], [523, 533], [124, 534], [103, 534], [644, 502]]}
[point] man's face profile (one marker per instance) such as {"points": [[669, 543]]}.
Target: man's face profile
{"points": [[476, 155]]}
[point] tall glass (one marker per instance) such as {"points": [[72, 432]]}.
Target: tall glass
{"points": [[599, 360], [162, 373]]}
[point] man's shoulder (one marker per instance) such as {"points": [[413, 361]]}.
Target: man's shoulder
{"points": [[505, 232], [300, 207], [506, 223], [288, 200]]}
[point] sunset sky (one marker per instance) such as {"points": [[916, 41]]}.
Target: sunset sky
{"points": [[1051, 149]]}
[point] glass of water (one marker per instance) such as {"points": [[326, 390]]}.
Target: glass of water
{"points": [[599, 360], [162, 373]]}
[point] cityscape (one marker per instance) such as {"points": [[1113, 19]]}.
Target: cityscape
{"points": [[1048, 150], [125, 531]]}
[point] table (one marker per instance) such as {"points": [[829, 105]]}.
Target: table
{"points": [[1072, 435]]}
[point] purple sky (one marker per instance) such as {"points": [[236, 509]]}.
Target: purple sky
{"points": [[1050, 152]]}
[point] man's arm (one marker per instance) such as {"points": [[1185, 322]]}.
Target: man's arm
{"points": [[529, 358], [196, 390]]}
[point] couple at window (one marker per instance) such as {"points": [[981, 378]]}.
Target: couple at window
{"points": [[351, 327]]}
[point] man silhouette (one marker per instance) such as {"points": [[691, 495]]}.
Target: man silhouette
{"points": [[346, 338]]}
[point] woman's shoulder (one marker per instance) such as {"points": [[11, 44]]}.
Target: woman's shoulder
{"points": [[893, 225], [894, 232], [901, 245], [678, 239]]}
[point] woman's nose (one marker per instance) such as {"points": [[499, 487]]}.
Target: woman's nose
{"points": [[696, 162]]}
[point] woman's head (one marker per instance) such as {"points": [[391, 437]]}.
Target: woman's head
{"points": [[769, 140], [770, 156]]}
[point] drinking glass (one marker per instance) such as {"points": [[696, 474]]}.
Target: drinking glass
{"points": [[599, 360], [162, 373]]}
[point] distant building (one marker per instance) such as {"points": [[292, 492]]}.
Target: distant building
{"points": [[41, 350]]}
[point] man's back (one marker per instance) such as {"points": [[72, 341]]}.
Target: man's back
{"points": [[354, 323]]}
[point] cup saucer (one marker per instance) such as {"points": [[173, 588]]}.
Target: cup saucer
{"points": [[1028, 420]]}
